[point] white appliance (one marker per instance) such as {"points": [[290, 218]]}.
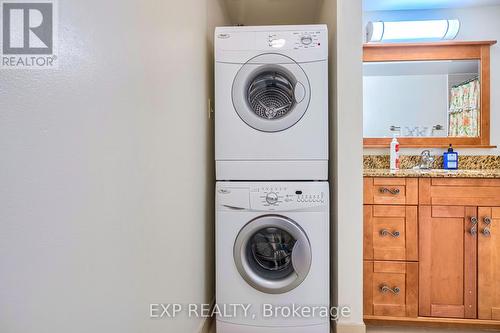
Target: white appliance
{"points": [[272, 248], [271, 103]]}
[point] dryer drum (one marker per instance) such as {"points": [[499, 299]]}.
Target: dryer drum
{"points": [[271, 95]]}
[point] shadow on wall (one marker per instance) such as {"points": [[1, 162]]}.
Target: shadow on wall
{"points": [[265, 12]]}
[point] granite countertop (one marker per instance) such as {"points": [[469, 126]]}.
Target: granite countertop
{"points": [[484, 166], [433, 173]]}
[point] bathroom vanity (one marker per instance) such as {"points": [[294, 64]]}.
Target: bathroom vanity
{"points": [[432, 247], [431, 237]]}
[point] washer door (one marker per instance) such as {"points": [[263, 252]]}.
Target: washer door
{"points": [[271, 92], [273, 254]]}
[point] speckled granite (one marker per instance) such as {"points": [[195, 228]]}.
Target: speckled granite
{"points": [[433, 173], [484, 162]]}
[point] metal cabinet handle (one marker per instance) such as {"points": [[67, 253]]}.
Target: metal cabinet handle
{"points": [[392, 191], [385, 232], [473, 229], [385, 289], [486, 231]]}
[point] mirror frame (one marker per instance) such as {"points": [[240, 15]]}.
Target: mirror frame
{"points": [[456, 50]]}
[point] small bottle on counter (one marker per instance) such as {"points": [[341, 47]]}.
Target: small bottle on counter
{"points": [[450, 159], [394, 154]]}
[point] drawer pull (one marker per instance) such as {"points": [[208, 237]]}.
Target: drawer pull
{"points": [[385, 232], [393, 191], [473, 229], [387, 289], [486, 231]]}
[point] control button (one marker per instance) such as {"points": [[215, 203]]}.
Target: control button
{"points": [[272, 198], [306, 40]]}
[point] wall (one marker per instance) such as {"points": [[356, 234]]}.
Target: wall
{"points": [[344, 21], [480, 23], [390, 100], [217, 15], [106, 173], [270, 12]]}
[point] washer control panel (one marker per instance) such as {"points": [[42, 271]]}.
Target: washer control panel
{"points": [[286, 197]]}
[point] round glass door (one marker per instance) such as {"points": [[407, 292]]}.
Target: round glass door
{"points": [[273, 254], [271, 92]]}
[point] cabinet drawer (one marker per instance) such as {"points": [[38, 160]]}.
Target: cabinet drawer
{"points": [[390, 288], [391, 191], [390, 233], [459, 191]]}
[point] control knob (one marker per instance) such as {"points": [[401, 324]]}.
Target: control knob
{"points": [[272, 198], [306, 40]]}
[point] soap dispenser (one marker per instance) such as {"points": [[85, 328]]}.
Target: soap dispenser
{"points": [[450, 159], [394, 154]]}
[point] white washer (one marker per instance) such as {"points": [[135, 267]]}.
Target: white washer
{"points": [[272, 250], [271, 103]]}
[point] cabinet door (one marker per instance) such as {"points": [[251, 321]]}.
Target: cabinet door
{"points": [[489, 263], [448, 261], [390, 233]]}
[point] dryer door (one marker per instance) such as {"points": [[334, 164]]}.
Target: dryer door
{"points": [[272, 254], [271, 92]]}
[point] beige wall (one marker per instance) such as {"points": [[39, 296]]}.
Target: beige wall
{"points": [[344, 19], [328, 16], [268, 12], [106, 172]]}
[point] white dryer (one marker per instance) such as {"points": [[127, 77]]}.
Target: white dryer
{"points": [[271, 103], [272, 255]]}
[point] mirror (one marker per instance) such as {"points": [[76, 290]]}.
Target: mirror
{"points": [[421, 99], [430, 94]]}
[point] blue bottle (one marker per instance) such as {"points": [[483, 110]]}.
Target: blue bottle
{"points": [[450, 159]]}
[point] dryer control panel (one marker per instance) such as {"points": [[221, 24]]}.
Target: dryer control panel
{"points": [[287, 40], [306, 43]]}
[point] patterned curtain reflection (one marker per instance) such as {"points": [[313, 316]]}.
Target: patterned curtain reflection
{"points": [[464, 110]]}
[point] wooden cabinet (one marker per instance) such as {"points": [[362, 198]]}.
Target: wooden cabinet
{"points": [[432, 251]]}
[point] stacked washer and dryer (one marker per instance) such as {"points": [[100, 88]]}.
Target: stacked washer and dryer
{"points": [[272, 194]]}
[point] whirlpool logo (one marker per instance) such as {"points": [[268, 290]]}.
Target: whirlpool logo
{"points": [[29, 31]]}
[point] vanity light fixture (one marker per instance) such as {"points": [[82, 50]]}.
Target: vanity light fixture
{"points": [[395, 31]]}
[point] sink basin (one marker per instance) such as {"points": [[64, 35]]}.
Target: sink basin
{"points": [[434, 170], [443, 171]]}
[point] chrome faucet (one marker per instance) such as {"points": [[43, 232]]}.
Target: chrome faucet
{"points": [[426, 160]]}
